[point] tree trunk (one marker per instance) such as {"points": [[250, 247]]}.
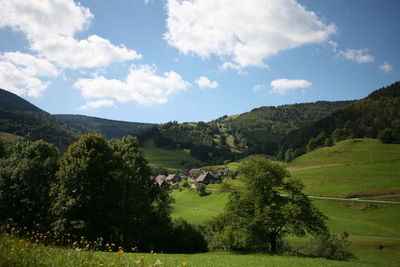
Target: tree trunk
{"points": [[272, 241]]}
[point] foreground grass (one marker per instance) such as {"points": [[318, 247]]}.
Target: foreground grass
{"points": [[15, 252], [166, 158]]}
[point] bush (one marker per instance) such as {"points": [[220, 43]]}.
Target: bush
{"points": [[328, 245], [185, 238], [201, 189]]}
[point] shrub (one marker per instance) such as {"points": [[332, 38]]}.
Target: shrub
{"points": [[328, 245]]}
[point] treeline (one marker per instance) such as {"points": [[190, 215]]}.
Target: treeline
{"points": [[263, 129], [260, 131], [97, 189], [205, 141], [80, 124], [377, 116]]}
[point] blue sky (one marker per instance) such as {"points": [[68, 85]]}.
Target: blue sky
{"points": [[191, 60]]}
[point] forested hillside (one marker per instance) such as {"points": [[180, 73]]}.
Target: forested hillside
{"points": [[80, 124], [19, 117], [259, 131], [376, 116]]}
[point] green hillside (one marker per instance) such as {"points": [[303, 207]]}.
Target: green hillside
{"points": [[365, 118], [352, 168], [167, 158]]}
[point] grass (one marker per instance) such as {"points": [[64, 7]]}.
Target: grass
{"points": [[349, 152], [10, 137], [356, 218], [195, 209], [352, 168], [343, 181], [17, 252], [167, 158]]}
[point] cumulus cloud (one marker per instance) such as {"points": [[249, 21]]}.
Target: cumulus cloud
{"points": [[204, 82], [50, 27], [142, 85], [19, 73], [243, 32], [358, 55], [385, 66], [97, 104], [92, 52], [282, 86]]}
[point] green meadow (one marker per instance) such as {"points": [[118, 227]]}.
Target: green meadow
{"points": [[352, 168], [167, 158]]}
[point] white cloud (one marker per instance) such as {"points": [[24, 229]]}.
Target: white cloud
{"points": [[258, 87], [358, 55], [19, 72], [204, 82], [32, 65], [385, 66], [282, 86], [50, 27], [97, 104], [142, 85], [243, 32], [92, 52]]}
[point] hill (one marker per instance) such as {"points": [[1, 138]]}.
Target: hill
{"points": [[19, 117], [352, 168], [366, 118], [81, 124], [259, 131]]}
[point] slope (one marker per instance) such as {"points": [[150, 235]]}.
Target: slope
{"points": [[365, 118], [108, 128]]}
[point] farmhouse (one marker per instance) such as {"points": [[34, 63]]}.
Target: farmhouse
{"points": [[161, 180], [172, 178], [207, 178]]}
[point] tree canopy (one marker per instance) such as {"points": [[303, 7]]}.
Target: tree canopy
{"points": [[270, 206]]}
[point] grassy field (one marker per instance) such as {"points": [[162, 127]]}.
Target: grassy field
{"points": [[166, 158], [357, 167], [377, 224], [9, 137], [16, 252], [349, 152]]}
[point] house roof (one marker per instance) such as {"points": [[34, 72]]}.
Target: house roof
{"points": [[202, 177], [160, 179], [171, 177]]}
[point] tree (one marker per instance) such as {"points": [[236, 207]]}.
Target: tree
{"points": [[25, 181], [104, 190], [85, 198], [269, 207]]}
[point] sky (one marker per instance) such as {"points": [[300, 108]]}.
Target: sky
{"points": [[194, 60]]}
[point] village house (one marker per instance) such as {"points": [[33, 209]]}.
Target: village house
{"points": [[195, 172], [161, 180], [172, 178], [221, 173], [207, 178]]}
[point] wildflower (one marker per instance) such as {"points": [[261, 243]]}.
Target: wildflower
{"points": [[137, 262], [184, 263], [158, 262], [101, 264]]}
